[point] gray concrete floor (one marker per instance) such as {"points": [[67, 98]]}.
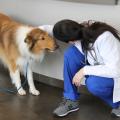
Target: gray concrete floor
{"points": [[29, 107]]}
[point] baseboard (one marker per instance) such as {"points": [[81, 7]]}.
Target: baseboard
{"points": [[48, 80], [55, 82]]}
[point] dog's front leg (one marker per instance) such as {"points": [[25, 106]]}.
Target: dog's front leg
{"points": [[32, 88], [15, 76]]}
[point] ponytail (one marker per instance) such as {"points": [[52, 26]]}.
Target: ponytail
{"points": [[91, 33]]}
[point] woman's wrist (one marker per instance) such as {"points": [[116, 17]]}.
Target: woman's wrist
{"points": [[82, 71]]}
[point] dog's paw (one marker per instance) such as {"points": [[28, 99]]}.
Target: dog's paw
{"points": [[34, 92], [21, 91]]}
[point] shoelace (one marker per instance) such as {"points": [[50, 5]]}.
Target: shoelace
{"points": [[63, 102]]}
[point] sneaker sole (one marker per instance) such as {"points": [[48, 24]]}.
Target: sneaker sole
{"points": [[113, 115], [62, 115]]}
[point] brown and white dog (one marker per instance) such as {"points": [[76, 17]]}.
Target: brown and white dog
{"points": [[18, 44]]}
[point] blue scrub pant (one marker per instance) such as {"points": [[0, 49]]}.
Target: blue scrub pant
{"points": [[101, 87]]}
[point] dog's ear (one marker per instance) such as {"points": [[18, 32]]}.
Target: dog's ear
{"points": [[28, 39]]}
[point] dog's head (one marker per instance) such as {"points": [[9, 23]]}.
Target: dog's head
{"points": [[39, 40]]}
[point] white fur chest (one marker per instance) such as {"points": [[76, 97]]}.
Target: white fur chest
{"points": [[22, 62]]}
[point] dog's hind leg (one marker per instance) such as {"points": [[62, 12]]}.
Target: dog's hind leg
{"points": [[15, 76], [32, 88]]}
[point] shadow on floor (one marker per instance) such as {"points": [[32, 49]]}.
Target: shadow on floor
{"points": [[29, 107]]}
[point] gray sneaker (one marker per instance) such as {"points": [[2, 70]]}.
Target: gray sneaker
{"points": [[116, 112], [65, 107]]}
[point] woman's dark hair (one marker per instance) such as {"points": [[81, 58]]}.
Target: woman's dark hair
{"points": [[68, 30]]}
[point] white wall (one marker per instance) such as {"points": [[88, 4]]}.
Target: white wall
{"points": [[38, 12]]}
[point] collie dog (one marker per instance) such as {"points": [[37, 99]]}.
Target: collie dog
{"points": [[19, 44]]}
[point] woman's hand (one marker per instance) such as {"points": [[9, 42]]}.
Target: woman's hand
{"points": [[78, 77]]}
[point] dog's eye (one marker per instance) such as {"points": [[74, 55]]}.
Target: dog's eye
{"points": [[42, 38]]}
